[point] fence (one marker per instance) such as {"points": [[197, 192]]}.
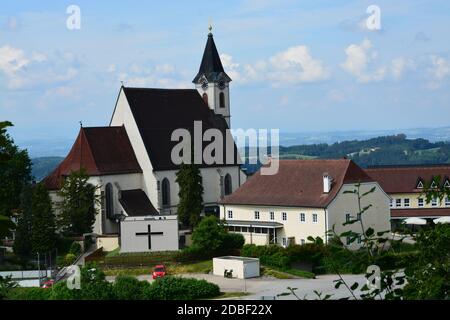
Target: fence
{"points": [[26, 274]]}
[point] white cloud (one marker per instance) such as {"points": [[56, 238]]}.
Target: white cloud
{"points": [[440, 67], [231, 67], [400, 65], [12, 60], [159, 76], [359, 62], [297, 65], [439, 70], [165, 68], [294, 65], [28, 70]]}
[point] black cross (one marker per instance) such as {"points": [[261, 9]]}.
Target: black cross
{"points": [[149, 234]]}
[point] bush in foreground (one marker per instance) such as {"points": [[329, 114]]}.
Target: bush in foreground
{"points": [[129, 288], [176, 288]]}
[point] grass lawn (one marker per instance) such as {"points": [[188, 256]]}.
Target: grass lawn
{"points": [[172, 269], [287, 274]]}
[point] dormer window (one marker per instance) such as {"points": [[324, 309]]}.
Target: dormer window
{"points": [[419, 184], [447, 183], [433, 185]]}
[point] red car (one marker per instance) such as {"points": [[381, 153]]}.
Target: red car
{"points": [[159, 271], [48, 284]]}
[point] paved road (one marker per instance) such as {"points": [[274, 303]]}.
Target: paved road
{"points": [[269, 287]]}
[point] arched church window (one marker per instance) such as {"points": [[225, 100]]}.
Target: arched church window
{"points": [[165, 189], [109, 201], [205, 98], [222, 100], [228, 184]]}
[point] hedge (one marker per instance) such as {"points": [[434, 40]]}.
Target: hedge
{"points": [[176, 288]]}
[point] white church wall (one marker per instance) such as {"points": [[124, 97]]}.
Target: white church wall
{"points": [[167, 241], [211, 184], [125, 182], [123, 116]]}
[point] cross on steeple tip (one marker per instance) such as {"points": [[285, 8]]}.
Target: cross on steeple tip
{"points": [[210, 26]]}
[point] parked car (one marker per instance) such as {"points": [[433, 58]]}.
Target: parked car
{"points": [[48, 284], [159, 271]]}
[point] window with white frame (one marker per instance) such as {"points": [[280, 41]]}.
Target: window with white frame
{"points": [[348, 217], [284, 216], [406, 203], [284, 242], [398, 202], [359, 239], [302, 241], [314, 217], [420, 202], [447, 201], [256, 215], [230, 214], [272, 215], [358, 216], [434, 202], [348, 240], [391, 203], [302, 217]]}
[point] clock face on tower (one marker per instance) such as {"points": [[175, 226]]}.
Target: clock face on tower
{"points": [[221, 84], [204, 84]]}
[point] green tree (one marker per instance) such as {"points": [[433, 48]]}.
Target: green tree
{"points": [[209, 235], [190, 206], [429, 276], [22, 244], [43, 236], [15, 172], [78, 204]]}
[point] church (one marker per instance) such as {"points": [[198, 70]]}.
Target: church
{"points": [[130, 160]]}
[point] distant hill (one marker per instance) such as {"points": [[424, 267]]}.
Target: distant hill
{"points": [[386, 150], [393, 150], [42, 166]]}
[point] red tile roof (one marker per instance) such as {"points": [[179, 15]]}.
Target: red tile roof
{"points": [[298, 183], [407, 213], [403, 179], [99, 150]]}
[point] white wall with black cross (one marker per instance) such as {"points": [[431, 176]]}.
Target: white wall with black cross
{"points": [[149, 234]]}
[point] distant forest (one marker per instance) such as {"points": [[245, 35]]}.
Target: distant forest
{"points": [[388, 150]]}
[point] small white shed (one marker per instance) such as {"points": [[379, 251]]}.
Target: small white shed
{"points": [[241, 267]]}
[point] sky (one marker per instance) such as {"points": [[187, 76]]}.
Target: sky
{"points": [[297, 66]]}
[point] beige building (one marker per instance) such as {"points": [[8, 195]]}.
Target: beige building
{"points": [[305, 198], [405, 185]]}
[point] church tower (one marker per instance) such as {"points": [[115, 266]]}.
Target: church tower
{"points": [[212, 82]]}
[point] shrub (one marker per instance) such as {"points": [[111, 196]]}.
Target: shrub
{"points": [[93, 287], [176, 288], [129, 288], [233, 241], [278, 260], [69, 259], [209, 235], [29, 294], [75, 249]]}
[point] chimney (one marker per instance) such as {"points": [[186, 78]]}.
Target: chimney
{"points": [[327, 183]]}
